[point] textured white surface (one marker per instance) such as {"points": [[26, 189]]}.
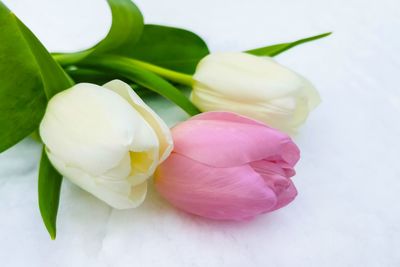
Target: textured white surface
{"points": [[347, 212]]}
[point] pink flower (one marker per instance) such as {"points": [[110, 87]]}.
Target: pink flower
{"points": [[228, 167]]}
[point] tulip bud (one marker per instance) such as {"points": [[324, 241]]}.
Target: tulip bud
{"points": [[228, 167], [257, 87], [106, 140]]}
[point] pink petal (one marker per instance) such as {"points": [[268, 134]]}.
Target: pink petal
{"points": [[286, 196], [290, 153], [227, 116], [224, 139], [233, 193], [275, 176]]}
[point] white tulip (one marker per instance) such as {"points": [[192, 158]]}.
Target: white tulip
{"points": [[257, 87], [106, 140]]}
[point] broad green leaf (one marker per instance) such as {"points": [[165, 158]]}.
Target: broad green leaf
{"points": [[126, 67], [172, 48], [49, 186], [126, 29], [274, 50], [168, 47], [28, 75], [54, 80], [53, 76]]}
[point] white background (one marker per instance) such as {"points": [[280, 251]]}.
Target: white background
{"points": [[347, 212]]}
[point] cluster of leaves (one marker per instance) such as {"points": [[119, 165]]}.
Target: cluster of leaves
{"points": [[30, 76]]}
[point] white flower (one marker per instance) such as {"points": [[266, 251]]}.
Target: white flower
{"points": [[106, 140], [257, 87]]}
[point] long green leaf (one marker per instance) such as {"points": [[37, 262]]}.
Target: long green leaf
{"points": [[126, 29], [82, 75], [169, 47], [102, 77], [274, 50], [27, 75], [49, 186], [125, 67], [54, 78]]}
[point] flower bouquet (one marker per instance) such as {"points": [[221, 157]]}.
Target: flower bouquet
{"points": [[232, 159]]}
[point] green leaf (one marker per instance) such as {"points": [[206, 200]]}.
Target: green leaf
{"points": [[168, 47], [172, 48], [53, 76], [126, 29], [162, 87], [126, 67], [274, 50], [102, 77], [82, 75], [49, 187], [28, 75]]}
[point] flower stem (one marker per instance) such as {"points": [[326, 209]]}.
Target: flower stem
{"points": [[171, 75], [174, 76], [137, 73]]}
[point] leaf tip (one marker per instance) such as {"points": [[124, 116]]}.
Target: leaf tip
{"points": [[51, 229], [325, 34]]}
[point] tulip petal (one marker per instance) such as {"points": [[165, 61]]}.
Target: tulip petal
{"points": [[159, 126], [254, 86], [123, 169], [227, 116], [234, 141], [230, 73], [286, 114], [118, 193], [98, 140], [286, 196], [144, 154], [233, 193], [275, 176], [89, 127]]}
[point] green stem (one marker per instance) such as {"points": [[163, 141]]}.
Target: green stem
{"points": [[80, 75], [178, 77], [65, 59], [142, 76], [174, 76]]}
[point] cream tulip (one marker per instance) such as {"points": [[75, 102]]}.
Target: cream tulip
{"points": [[257, 87], [106, 140]]}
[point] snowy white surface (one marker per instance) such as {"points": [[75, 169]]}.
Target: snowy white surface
{"points": [[347, 212]]}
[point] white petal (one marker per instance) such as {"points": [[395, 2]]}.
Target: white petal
{"points": [[256, 87], [246, 77], [123, 169], [159, 126], [101, 142], [89, 127], [119, 194]]}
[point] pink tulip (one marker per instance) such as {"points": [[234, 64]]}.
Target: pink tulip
{"points": [[228, 167]]}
